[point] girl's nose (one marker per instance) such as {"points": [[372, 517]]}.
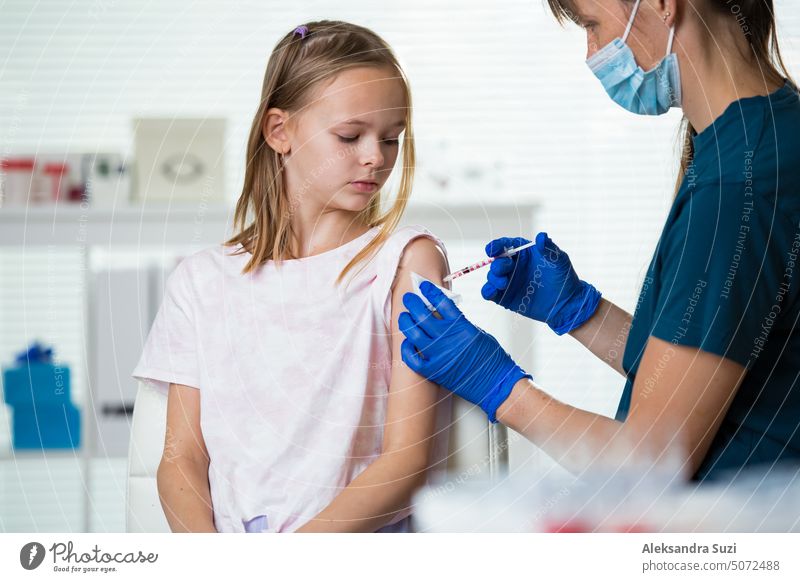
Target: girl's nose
{"points": [[371, 154]]}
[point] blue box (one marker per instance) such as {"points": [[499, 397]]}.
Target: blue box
{"points": [[36, 384], [46, 426]]}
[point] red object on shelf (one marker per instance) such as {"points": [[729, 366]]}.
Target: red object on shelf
{"points": [[19, 180], [76, 194], [55, 168], [18, 164], [56, 171]]}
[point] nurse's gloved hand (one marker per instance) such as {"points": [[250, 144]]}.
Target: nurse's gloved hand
{"points": [[454, 353], [540, 283]]}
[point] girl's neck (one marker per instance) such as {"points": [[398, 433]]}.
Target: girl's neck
{"points": [[325, 232]]}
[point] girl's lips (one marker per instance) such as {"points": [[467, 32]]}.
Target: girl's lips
{"points": [[365, 186]]}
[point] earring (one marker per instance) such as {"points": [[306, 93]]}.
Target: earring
{"points": [[667, 15]]}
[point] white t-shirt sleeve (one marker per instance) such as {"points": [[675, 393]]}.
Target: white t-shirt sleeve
{"points": [[170, 352], [389, 260]]}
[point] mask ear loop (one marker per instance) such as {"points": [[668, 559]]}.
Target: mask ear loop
{"points": [[630, 20], [671, 39]]}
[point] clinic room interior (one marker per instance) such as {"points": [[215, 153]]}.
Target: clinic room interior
{"points": [[125, 134]]}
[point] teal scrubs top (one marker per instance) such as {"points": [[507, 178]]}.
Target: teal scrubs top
{"points": [[725, 278]]}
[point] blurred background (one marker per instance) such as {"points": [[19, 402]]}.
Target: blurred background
{"points": [[122, 133]]}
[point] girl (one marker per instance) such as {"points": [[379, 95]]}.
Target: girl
{"points": [[289, 408]]}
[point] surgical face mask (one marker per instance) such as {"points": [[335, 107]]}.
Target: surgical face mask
{"points": [[651, 92]]}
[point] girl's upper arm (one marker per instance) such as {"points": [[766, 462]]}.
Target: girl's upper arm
{"points": [[411, 408], [680, 396], [184, 438]]}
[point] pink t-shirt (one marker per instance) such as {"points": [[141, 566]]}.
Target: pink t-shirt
{"points": [[293, 374]]}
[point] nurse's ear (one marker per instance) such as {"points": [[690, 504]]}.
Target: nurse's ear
{"points": [[276, 130], [668, 11]]}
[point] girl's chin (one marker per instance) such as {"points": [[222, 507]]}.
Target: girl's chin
{"points": [[357, 202], [350, 201]]}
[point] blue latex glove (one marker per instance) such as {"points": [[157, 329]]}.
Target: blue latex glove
{"points": [[540, 283], [454, 353]]}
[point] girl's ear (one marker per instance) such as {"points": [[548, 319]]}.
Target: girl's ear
{"points": [[275, 130]]}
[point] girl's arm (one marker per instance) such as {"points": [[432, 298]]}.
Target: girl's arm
{"points": [[679, 398], [385, 488], [605, 334], [183, 472]]}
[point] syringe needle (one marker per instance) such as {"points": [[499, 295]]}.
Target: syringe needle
{"points": [[489, 261]]}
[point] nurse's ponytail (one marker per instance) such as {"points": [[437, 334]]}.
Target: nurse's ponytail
{"points": [[756, 21]]}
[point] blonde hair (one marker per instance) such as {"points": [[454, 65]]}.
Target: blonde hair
{"points": [[297, 64]]}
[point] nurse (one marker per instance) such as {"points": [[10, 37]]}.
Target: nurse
{"points": [[711, 357]]}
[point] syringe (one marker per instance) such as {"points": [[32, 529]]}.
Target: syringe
{"points": [[489, 261]]}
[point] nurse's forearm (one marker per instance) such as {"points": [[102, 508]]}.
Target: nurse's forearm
{"points": [[574, 438], [606, 333], [373, 498]]}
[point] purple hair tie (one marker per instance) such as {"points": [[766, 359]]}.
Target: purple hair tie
{"points": [[301, 30]]}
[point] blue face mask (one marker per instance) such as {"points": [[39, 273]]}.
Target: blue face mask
{"points": [[651, 92]]}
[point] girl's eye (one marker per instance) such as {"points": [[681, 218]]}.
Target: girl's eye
{"points": [[348, 139], [392, 142]]}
